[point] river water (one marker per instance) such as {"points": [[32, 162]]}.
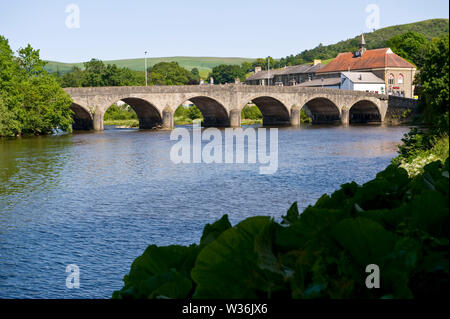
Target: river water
{"points": [[98, 200]]}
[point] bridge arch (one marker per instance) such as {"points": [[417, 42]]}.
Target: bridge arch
{"points": [[82, 118], [148, 114], [322, 110], [273, 110], [214, 112], [364, 111]]}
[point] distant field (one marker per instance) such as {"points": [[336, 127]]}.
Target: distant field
{"points": [[203, 64]]}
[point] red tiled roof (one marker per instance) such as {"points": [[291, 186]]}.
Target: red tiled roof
{"points": [[371, 59]]}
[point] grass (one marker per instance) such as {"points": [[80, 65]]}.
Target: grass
{"points": [[133, 123], [251, 122]]}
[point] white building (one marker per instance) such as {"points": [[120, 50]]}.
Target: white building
{"points": [[362, 81]]}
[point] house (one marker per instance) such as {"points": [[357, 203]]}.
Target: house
{"points": [[397, 73], [287, 76], [362, 81]]}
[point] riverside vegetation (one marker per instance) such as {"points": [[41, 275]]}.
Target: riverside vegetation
{"points": [[31, 100], [398, 221]]}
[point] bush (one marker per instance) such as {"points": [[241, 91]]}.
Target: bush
{"points": [[251, 112], [194, 113], [124, 112], [304, 118]]}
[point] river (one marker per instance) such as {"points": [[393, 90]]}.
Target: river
{"points": [[98, 200]]}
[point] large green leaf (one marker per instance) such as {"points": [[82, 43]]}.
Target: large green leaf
{"points": [[430, 212], [160, 270], [228, 266], [212, 231], [307, 227], [367, 241], [292, 215]]}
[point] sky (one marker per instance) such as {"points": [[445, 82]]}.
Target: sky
{"points": [[112, 30]]}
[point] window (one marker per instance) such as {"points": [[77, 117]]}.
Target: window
{"points": [[400, 79], [391, 79]]}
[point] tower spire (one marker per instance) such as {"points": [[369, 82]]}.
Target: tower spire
{"points": [[362, 45]]}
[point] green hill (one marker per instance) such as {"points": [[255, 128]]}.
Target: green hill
{"points": [[377, 39], [203, 64]]}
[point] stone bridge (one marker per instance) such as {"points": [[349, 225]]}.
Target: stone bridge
{"points": [[221, 105]]}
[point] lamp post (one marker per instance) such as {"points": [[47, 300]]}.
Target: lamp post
{"points": [[145, 68], [268, 71]]}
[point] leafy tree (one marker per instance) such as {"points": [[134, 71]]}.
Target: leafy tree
{"points": [[30, 62], [411, 46], [227, 73], [195, 77], [93, 71], [194, 113], [259, 63], [251, 112], [31, 101], [44, 107], [434, 80], [247, 67], [71, 79], [169, 73], [123, 112], [9, 126]]}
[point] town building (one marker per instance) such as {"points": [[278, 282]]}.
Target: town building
{"points": [[397, 73], [287, 76], [362, 81]]}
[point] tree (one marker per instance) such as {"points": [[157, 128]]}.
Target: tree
{"points": [[31, 100], [93, 71], [71, 79], [434, 80], [411, 46], [195, 72], [9, 126], [227, 73], [194, 113], [195, 77], [169, 73], [30, 62], [44, 107], [247, 67], [259, 63]]}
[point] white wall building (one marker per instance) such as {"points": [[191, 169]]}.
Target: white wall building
{"points": [[362, 81]]}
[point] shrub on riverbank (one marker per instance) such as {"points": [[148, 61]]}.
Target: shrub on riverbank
{"points": [[438, 151]]}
